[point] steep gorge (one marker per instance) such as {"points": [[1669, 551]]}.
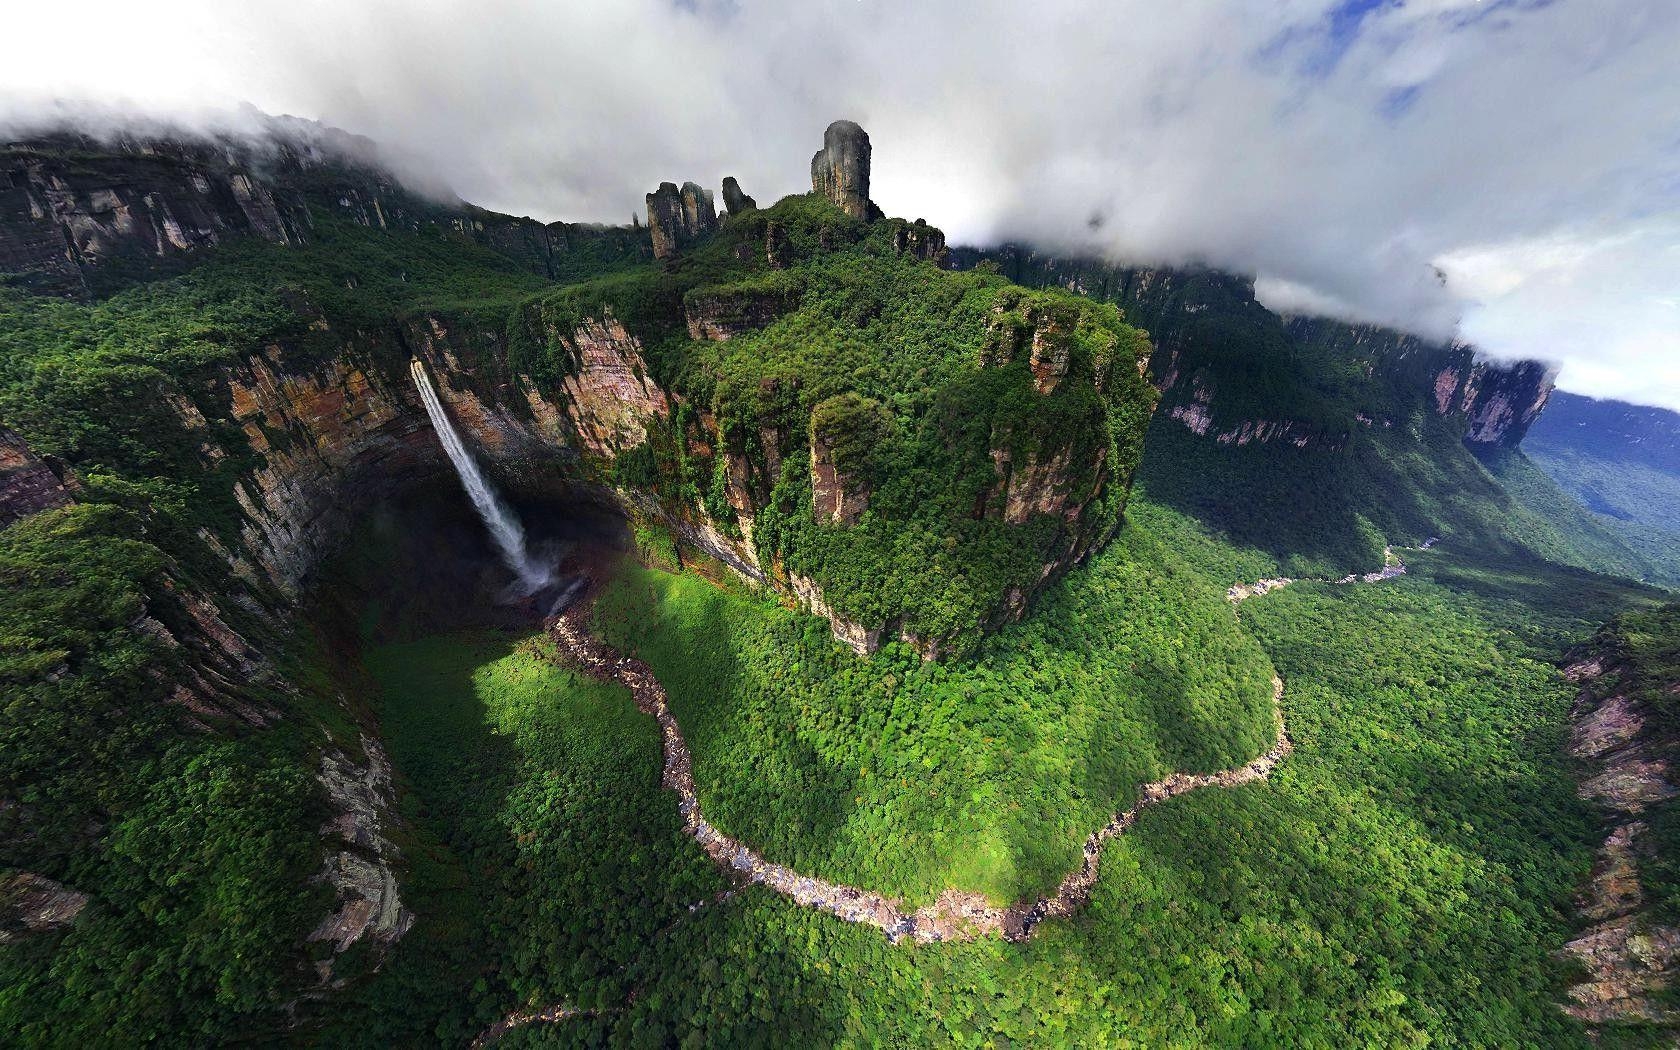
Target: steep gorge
{"points": [[250, 319]]}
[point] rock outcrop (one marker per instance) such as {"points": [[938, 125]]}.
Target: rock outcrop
{"points": [[34, 904], [1040, 334], [855, 636], [68, 215], [1630, 957], [840, 170], [723, 313], [359, 866], [845, 433], [27, 485], [611, 400], [678, 217], [920, 240], [836, 498], [734, 201], [1498, 400], [80, 216]]}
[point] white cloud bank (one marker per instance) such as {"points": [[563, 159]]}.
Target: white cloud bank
{"points": [[1352, 153]]}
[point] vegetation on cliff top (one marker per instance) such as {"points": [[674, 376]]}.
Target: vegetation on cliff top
{"points": [[943, 357], [912, 777], [196, 849]]}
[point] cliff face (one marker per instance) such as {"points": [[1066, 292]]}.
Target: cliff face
{"points": [[353, 423], [1494, 402], [27, 485], [1500, 401], [80, 217], [1232, 369], [1623, 739], [68, 217]]}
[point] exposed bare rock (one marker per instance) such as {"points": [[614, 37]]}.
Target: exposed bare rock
{"points": [[353, 421], [359, 863], [840, 170], [27, 485], [835, 498], [1613, 889], [67, 214], [1498, 400], [860, 639], [611, 397], [734, 201], [1629, 962], [1584, 670], [1629, 957], [1032, 487], [719, 314], [699, 215], [1614, 723], [845, 432], [1196, 413], [1630, 782], [920, 240], [31, 903], [1042, 333], [678, 217]]}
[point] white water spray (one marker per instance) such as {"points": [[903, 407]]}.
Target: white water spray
{"points": [[498, 516]]}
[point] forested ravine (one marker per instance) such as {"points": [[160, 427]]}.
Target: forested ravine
{"points": [[955, 915]]}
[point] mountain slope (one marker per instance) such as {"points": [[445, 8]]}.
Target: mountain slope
{"points": [[1321, 441], [1621, 463], [205, 355]]}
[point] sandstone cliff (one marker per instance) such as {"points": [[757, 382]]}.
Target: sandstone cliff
{"points": [[27, 485], [1217, 347], [677, 218], [734, 200], [840, 170], [1630, 953], [81, 216]]}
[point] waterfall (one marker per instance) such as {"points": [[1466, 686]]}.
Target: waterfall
{"points": [[498, 516]]}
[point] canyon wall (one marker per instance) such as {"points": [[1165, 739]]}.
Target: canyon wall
{"points": [[1234, 370], [27, 485], [81, 216], [1626, 946]]}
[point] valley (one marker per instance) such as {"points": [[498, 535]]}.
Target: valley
{"points": [[428, 626]]}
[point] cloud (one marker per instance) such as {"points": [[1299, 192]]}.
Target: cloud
{"points": [[1350, 153]]}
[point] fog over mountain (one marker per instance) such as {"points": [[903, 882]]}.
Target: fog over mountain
{"points": [[1508, 170]]}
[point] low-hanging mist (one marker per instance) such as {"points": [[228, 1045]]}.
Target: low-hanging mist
{"points": [[1344, 150]]}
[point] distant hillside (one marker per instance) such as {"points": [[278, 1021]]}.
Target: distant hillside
{"points": [[1319, 441], [1622, 462]]}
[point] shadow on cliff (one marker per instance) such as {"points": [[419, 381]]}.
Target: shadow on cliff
{"points": [[1326, 512], [421, 562], [453, 775]]}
